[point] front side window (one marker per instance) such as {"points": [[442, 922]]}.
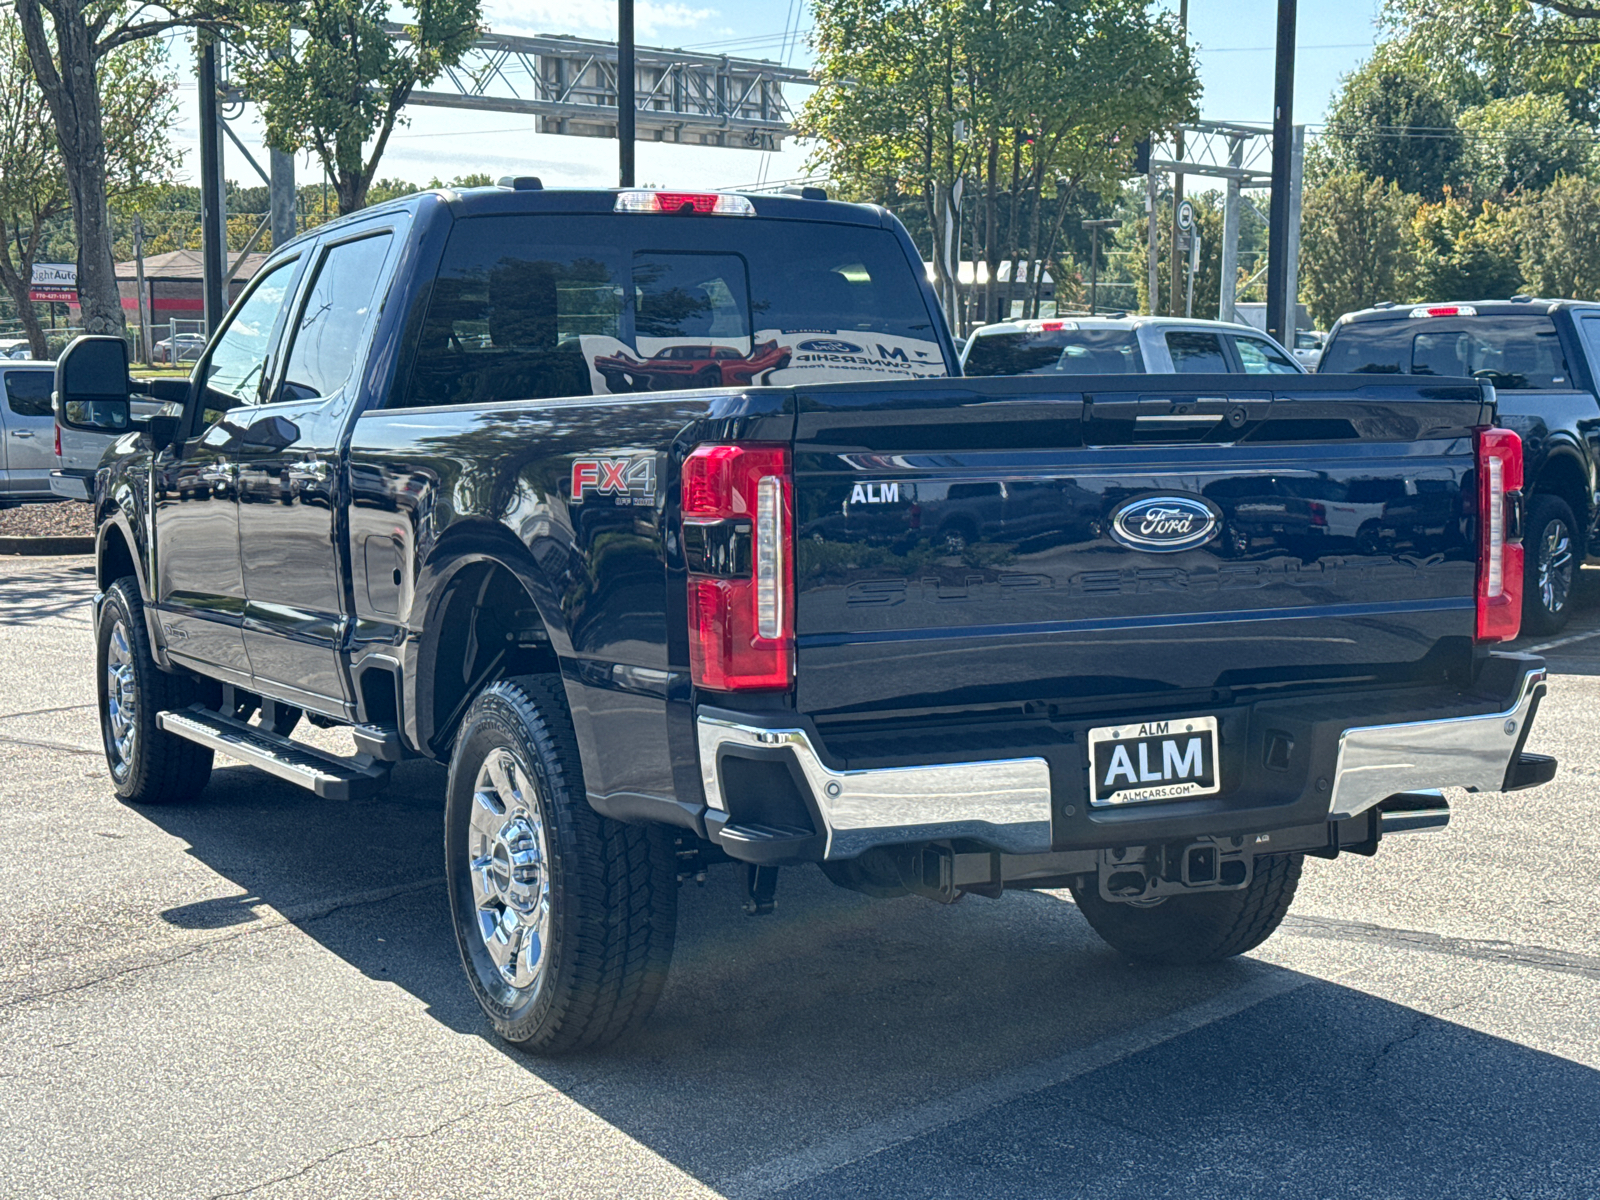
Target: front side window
{"points": [[238, 362], [328, 334], [28, 392], [1263, 358], [1196, 353]]}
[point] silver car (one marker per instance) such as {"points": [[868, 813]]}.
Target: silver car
{"points": [[37, 462]]}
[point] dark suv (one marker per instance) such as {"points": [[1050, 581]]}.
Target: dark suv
{"points": [[1543, 358]]}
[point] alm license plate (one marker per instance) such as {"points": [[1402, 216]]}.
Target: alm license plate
{"points": [[1145, 761]]}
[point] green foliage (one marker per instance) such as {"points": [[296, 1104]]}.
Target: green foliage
{"points": [[1390, 121], [1560, 254], [1029, 101], [1462, 251], [330, 78], [1354, 244], [1521, 143], [1208, 278], [138, 92]]}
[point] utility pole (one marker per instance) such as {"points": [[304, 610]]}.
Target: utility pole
{"points": [[625, 97], [138, 275], [1094, 228], [1154, 261], [280, 196], [213, 244], [1279, 317], [1228, 292], [1177, 180]]}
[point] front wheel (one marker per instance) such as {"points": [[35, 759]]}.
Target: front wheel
{"points": [[1551, 560], [564, 919], [1182, 930], [148, 765]]}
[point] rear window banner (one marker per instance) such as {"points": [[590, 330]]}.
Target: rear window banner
{"points": [[772, 357], [847, 356]]}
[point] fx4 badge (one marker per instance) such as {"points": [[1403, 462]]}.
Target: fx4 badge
{"points": [[629, 480], [1161, 524], [875, 493]]}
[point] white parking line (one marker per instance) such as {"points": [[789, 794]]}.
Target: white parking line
{"points": [[1566, 641], [777, 1174]]}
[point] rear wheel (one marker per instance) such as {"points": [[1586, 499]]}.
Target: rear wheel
{"points": [[1196, 929], [1550, 562], [148, 765], [564, 919]]}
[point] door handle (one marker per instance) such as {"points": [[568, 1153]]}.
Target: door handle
{"points": [[21, 433]]}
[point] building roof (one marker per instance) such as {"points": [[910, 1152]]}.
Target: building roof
{"points": [[183, 266]]}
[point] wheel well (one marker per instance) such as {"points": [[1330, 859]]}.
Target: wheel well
{"points": [[488, 629], [1564, 478], [115, 560]]}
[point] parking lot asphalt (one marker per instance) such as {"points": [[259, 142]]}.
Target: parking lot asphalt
{"points": [[258, 994]]}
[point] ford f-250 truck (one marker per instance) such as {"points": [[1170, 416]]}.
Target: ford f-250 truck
{"points": [[653, 633]]}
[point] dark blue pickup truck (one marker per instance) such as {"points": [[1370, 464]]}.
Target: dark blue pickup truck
{"points": [[667, 521]]}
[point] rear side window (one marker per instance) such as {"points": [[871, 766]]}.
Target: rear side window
{"points": [[1263, 358], [1056, 352], [1511, 352], [1197, 353], [543, 307], [328, 333], [28, 392]]}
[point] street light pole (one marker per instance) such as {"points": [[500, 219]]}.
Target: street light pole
{"points": [[625, 97], [1094, 228]]}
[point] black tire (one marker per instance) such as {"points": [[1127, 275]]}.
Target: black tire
{"points": [[1209, 927], [151, 766], [597, 899], [1551, 550]]}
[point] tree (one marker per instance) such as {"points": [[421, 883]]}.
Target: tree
{"points": [[1521, 143], [138, 91], [1390, 121], [330, 77], [68, 42], [1486, 49], [1353, 244], [1036, 99], [1560, 254], [1461, 251]]}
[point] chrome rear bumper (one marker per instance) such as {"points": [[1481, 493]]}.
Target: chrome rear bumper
{"points": [[1475, 753], [1006, 803]]}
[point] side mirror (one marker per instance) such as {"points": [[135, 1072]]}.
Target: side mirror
{"points": [[92, 385]]}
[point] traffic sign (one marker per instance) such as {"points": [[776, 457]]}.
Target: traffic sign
{"points": [[1185, 216]]}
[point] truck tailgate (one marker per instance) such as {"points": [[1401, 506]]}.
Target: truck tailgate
{"points": [[1097, 544]]}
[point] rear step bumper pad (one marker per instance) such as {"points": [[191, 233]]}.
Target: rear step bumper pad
{"points": [[1476, 753], [328, 775]]}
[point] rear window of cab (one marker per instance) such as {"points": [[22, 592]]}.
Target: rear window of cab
{"points": [[1512, 352]]}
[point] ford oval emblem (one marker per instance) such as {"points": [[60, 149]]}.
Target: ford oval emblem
{"points": [[830, 346], [1165, 523]]}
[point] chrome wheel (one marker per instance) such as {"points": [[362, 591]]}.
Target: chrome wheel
{"points": [[509, 863], [122, 700], [1555, 566]]}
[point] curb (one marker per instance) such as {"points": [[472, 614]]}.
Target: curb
{"points": [[46, 545]]}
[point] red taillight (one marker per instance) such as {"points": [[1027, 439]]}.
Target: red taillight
{"points": [[739, 545], [1319, 514], [58, 441], [1499, 554]]}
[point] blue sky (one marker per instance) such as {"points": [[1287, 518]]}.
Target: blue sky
{"points": [[1234, 37]]}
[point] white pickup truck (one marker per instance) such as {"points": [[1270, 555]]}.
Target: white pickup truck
{"points": [[1123, 346]]}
